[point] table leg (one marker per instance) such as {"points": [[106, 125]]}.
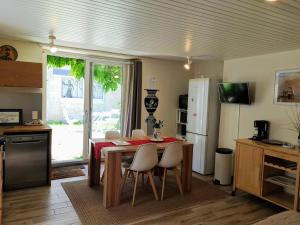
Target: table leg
{"points": [[186, 169], [94, 167], [297, 186], [112, 179]]}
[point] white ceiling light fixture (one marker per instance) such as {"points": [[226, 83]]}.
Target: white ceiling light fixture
{"points": [[52, 48], [187, 66], [271, 0]]}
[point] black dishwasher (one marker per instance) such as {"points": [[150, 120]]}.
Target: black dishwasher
{"points": [[26, 161]]}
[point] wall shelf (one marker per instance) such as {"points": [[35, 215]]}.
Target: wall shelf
{"points": [[181, 123]]}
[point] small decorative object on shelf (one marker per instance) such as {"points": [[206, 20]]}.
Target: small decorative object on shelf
{"points": [[157, 125], [8, 53], [151, 104], [294, 117]]}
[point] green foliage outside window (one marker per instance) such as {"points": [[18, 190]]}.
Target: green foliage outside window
{"points": [[109, 77]]}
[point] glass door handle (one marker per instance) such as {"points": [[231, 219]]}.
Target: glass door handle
{"points": [[86, 116]]}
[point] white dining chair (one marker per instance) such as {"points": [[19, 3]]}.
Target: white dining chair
{"points": [[138, 133], [144, 161], [171, 159], [111, 134]]}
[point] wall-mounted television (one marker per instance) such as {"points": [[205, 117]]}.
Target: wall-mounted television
{"points": [[234, 93]]}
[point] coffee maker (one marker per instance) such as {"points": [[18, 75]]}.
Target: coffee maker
{"points": [[261, 130]]}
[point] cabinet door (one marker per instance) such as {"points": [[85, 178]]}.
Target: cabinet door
{"points": [[249, 166], [20, 74], [1, 169]]}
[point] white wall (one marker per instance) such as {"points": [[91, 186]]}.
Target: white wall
{"points": [[261, 71], [27, 51], [211, 68], [172, 81]]}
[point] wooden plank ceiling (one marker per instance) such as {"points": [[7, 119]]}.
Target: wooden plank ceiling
{"points": [[221, 29]]}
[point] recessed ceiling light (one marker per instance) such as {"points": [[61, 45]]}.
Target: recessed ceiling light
{"points": [[271, 0]]}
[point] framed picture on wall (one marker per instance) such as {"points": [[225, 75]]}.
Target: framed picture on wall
{"points": [[287, 87], [10, 117]]}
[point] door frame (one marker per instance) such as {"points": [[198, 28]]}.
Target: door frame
{"points": [[93, 62]]}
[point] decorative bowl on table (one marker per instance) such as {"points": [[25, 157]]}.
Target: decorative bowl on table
{"points": [[157, 139]]}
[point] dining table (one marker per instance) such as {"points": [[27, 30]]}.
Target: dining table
{"points": [[113, 164]]}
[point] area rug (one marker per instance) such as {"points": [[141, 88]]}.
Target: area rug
{"points": [[66, 172], [239, 210], [88, 201]]}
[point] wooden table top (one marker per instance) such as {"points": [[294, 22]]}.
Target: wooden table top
{"points": [[25, 129], [130, 148], [259, 144]]}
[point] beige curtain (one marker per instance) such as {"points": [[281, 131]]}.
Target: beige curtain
{"points": [[131, 98]]}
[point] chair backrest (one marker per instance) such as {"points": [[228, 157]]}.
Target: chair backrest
{"points": [[138, 133], [172, 156], [145, 158], [112, 134]]}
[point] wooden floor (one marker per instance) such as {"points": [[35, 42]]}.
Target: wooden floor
{"points": [[43, 205], [50, 205]]}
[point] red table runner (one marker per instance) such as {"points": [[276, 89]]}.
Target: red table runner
{"points": [[99, 145]]}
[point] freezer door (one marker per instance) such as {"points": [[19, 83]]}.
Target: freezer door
{"points": [[199, 152], [198, 106]]}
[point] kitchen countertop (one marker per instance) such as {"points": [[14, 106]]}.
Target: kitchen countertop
{"points": [[280, 149], [25, 129]]}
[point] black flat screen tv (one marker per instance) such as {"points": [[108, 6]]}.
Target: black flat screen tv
{"points": [[234, 93]]}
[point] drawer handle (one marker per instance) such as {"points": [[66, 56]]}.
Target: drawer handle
{"points": [[25, 142]]}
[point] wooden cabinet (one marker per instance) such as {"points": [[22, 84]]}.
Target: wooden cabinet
{"points": [[20, 74], [1, 181], [269, 172], [249, 168]]}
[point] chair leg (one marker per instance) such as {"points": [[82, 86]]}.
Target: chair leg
{"points": [[123, 180], [143, 179], [150, 175], [159, 173], [134, 190], [178, 180], [102, 177], [163, 184]]}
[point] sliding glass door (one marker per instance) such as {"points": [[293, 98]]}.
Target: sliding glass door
{"points": [[105, 98], [83, 100], [65, 107]]}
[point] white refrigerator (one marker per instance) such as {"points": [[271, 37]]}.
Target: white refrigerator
{"points": [[203, 122]]}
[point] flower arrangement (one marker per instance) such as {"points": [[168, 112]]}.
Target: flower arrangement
{"points": [[294, 118], [157, 124]]}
